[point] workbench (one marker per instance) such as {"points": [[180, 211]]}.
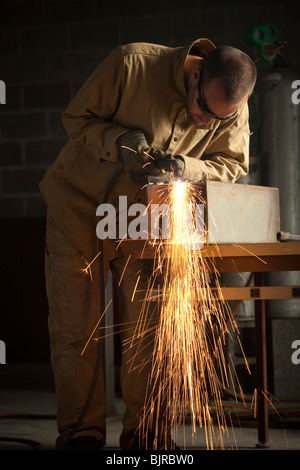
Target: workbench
{"points": [[257, 258]]}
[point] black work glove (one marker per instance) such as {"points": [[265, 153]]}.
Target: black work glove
{"points": [[173, 165], [137, 157], [170, 169]]}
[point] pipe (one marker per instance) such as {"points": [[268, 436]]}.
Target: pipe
{"points": [[287, 237]]}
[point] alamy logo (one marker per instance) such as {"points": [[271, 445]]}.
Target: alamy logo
{"points": [[2, 352], [296, 354], [296, 93], [154, 221], [2, 92]]}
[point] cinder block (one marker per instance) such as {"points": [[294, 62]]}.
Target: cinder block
{"points": [[71, 66], [41, 39], [42, 152], [69, 10], [21, 69], [210, 22], [9, 41], [35, 206], [11, 207], [134, 8], [14, 126], [56, 128], [21, 13], [134, 28], [13, 98], [11, 154], [47, 95], [94, 35], [21, 181]]}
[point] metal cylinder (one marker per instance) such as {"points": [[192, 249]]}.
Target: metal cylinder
{"points": [[280, 165]]}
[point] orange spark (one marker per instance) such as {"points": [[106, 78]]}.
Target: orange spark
{"points": [[190, 333]]}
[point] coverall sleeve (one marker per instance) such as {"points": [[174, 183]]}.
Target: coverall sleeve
{"points": [[89, 116], [227, 156]]}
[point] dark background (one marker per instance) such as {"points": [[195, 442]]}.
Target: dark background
{"points": [[47, 50], [49, 47]]}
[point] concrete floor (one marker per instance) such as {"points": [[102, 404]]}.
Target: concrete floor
{"points": [[27, 417]]}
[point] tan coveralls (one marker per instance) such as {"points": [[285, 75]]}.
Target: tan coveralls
{"points": [[138, 86]]}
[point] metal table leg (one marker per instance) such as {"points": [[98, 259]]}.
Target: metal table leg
{"points": [[109, 368], [261, 366]]}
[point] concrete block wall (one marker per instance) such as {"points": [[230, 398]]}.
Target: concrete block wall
{"points": [[49, 47]]}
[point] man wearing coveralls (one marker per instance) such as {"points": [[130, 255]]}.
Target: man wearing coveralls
{"points": [[187, 108]]}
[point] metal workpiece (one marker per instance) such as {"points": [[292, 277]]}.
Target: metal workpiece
{"points": [[242, 213], [233, 213]]}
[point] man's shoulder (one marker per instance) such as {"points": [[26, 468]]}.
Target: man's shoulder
{"points": [[144, 48]]}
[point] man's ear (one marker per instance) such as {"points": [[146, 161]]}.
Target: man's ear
{"points": [[195, 74]]}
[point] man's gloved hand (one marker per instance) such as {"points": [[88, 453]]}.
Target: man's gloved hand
{"points": [[169, 169], [173, 165], [183, 167], [137, 157]]}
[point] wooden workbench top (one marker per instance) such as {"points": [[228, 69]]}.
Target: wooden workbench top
{"points": [[280, 256]]}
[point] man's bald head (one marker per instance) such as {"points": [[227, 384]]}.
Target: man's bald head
{"points": [[235, 69]]}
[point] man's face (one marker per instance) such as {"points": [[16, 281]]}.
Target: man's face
{"points": [[212, 95]]}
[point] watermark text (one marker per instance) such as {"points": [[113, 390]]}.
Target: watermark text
{"points": [[296, 93], [2, 92], [2, 352], [152, 222], [296, 354]]}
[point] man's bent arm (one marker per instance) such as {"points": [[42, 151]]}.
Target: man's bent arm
{"points": [[89, 116], [227, 156]]}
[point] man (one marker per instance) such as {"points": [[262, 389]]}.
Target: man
{"points": [[147, 113]]}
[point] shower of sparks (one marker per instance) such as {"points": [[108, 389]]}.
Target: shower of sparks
{"points": [[87, 270], [189, 368], [96, 327]]}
